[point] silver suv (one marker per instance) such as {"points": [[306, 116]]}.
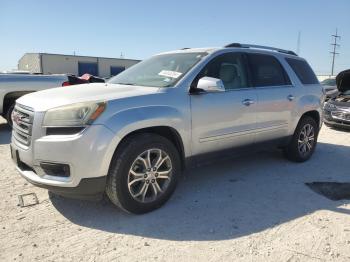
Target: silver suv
{"points": [[133, 136]]}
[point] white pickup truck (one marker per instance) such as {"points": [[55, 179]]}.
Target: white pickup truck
{"points": [[13, 86]]}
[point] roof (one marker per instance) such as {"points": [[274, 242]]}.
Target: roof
{"points": [[237, 47], [191, 50]]}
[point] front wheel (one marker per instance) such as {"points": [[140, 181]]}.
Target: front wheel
{"points": [[143, 173], [304, 140]]}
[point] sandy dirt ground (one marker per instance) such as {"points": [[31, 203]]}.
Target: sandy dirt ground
{"points": [[252, 208]]}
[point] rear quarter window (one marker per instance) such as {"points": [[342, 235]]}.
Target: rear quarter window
{"points": [[303, 71]]}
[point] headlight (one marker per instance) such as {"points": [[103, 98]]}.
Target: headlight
{"points": [[80, 114], [329, 106]]}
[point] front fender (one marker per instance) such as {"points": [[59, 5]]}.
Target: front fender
{"points": [[127, 121]]}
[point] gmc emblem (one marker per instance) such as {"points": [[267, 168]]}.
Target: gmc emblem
{"points": [[17, 117]]}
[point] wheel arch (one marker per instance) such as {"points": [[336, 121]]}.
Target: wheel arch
{"points": [[167, 132], [313, 114], [11, 97]]}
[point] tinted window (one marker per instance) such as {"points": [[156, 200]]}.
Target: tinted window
{"points": [[266, 70], [303, 71], [230, 68]]}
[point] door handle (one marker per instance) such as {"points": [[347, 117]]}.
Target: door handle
{"points": [[290, 97], [248, 102]]}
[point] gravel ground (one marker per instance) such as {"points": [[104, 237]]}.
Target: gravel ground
{"points": [[253, 208]]}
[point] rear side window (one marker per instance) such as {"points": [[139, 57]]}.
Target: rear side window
{"points": [[266, 70], [304, 72]]}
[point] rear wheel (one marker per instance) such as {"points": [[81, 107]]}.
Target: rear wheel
{"points": [[304, 140], [143, 174]]}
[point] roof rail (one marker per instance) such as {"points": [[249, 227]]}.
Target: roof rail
{"points": [[261, 47]]}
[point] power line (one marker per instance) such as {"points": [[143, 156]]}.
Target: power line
{"points": [[335, 46]]}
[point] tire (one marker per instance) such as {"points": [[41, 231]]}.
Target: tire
{"points": [[8, 114], [121, 188], [294, 151]]}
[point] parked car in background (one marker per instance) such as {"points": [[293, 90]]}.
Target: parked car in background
{"points": [[337, 108], [329, 83], [13, 86], [132, 137], [330, 87], [92, 79]]}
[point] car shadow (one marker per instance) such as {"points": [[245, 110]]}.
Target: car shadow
{"points": [[225, 200], [5, 134]]}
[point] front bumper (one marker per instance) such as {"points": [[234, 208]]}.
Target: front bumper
{"points": [[88, 188], [87, 154], [330, 120]]}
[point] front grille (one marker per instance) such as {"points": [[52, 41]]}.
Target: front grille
{"points": [[22, 118]]}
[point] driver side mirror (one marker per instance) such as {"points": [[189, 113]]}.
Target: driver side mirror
{"points": [[210, 84]]}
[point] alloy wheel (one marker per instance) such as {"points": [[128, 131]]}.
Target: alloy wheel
{"points": [[149, 175], [306, 140]]}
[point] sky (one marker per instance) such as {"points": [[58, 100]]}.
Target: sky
{"points": [[139, 29]]}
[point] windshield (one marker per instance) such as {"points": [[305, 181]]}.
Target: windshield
{"points": [[329, 82], [159, 71]]}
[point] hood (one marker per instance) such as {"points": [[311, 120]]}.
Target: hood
{"points": [[343, 81], [61, 96]]}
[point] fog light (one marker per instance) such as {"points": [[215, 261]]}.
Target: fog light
{"points": [[55, 169]]}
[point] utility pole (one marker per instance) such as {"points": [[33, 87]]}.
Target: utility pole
{"points": [[335, 46]]}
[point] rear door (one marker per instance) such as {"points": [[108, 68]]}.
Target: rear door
{"points": [[276, 97], [224, 120]]}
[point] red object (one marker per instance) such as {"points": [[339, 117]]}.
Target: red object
{"points": [[66, 83], [84, 79]]}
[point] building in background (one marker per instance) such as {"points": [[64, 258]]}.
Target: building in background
{"points": [[43, 63]]}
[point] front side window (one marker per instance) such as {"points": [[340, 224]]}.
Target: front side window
{"points": [[266, 70], [230, 68], [159, 71]]}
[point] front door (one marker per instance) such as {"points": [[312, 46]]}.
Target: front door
{"points": [[227, 119]]}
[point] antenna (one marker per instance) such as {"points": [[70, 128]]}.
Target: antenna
{"points": [[298, 43], [335, 46]]}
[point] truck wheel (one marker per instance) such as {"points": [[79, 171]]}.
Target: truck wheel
{"points": [[304, 140], [9, 113], [143, 173]]}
